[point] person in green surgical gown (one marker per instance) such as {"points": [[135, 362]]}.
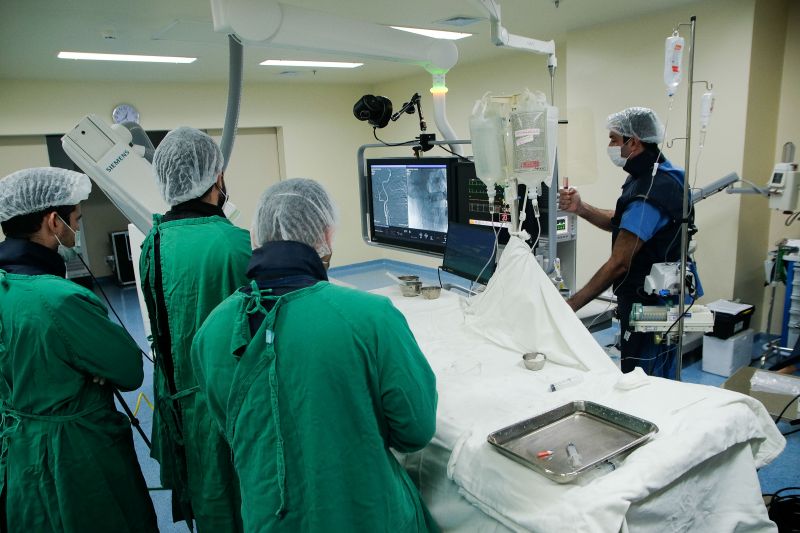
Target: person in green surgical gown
{"points": [[193, 258], [67, 461], [314, 384]]}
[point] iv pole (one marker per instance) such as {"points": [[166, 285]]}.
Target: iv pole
{"points": [[685, 211]]}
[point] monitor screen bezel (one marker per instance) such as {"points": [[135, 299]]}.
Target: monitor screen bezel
{"points": [[411, 245], [490, 269]]}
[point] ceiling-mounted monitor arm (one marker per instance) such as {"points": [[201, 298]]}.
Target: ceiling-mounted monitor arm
{"points": [[501, 37], [287, 26]]}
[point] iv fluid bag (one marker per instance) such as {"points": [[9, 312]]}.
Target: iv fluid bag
{"points": [[534, 126], [673, 55], [487, 132]]}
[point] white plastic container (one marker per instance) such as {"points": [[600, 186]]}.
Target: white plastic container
{"points": [[725, 356], [673, 56]]}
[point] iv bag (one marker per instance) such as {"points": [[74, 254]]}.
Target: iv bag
{"points": [[673, 55], [534, 127], [487, 131]]}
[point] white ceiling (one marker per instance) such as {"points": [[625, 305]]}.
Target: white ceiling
{"points": [[32, 32]]}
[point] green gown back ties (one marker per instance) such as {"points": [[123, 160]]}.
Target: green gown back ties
{"points": [[311, 404], [202, 261]]}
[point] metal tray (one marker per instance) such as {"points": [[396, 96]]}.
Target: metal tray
{"points": [[599, 434]]}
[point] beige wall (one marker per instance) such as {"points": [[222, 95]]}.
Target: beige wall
{"points": [[614, 66], [766, 62], [788, 129], [318, 133], [17, 151]]}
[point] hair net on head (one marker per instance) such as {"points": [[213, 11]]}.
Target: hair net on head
{"points": [[35, 189], [297, 209], [186, 164], [639, 122]]}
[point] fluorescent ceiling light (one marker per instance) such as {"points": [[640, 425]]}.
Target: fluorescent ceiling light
{"points": [[320, 64], [436, 34], [125, 57]]}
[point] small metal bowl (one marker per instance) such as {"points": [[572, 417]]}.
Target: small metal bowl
{"points": [[431, 293], [411, 288], [534, 360]]}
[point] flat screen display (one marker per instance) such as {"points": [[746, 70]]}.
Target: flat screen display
{"points": [[473, 204], [409, 201], [469, 249]]}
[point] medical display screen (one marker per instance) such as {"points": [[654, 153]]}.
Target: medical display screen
{"points": [[777, 178], [474, 208], [409, 201], [469, 249]]}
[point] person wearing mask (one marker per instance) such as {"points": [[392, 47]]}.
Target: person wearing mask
{"points": [[645, 229], [314, 384], [192, 259], [67, 460]]}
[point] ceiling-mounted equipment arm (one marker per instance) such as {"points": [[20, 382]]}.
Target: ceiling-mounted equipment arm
{"points": [[501, 37], [292, 27], [286, 26]]}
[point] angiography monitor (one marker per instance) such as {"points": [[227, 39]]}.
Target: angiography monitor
{"points": [[408, 201]]}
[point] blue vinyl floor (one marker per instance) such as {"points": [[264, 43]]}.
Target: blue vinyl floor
{"points": [[783, 472]]}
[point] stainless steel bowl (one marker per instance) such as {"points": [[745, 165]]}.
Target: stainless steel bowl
{"points": [[411, 288], [534, 360], [431, 293]]}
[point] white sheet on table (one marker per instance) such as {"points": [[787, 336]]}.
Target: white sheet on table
{"points": [[698, 423], [522, 311]]}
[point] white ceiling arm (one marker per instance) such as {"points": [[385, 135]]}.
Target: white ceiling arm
{"points": [[287, 26], [501, 37]]}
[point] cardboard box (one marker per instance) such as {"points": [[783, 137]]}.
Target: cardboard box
{"points": [[740, 382], [725, 356]]}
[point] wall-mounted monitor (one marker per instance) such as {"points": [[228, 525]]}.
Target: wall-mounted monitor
{"points": [[409, 201]]}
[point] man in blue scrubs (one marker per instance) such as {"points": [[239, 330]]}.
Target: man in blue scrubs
{"points": [[645, 229]]}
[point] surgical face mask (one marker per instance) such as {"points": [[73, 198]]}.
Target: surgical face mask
{"points": [[615, 155], [66, 252], [232, 212]]}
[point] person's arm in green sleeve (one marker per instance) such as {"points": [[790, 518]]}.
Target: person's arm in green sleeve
{"points": [[201, 357], [408, 385], [98, 346]]}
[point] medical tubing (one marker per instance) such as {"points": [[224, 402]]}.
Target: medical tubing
{"points": [[493, 257], [784, 510], [132, 418], [234, 99]]}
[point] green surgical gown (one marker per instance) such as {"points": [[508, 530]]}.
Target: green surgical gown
{"points": [[311, 405], [203, 260], [67, 461]]}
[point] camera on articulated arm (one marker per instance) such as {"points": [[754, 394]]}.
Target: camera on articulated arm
{"points": [[377, 111]]}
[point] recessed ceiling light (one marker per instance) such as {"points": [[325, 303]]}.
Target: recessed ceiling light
{"points": [[125, 57], [436, 34], [319, 64]]}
